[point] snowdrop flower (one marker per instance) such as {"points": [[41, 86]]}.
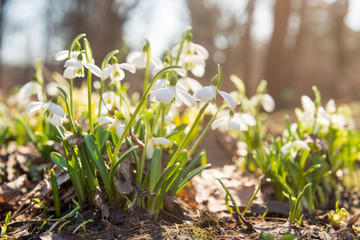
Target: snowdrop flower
{"points": [[108, 101], [237, 121], [27, 91], [115, 124], [265, 100], [340, 118], [188, 83], [115, 70], [153, 143], [192, 57], [294, 147], [139, 59], [75, 66], [313, 116], [54, 112], [208, 93], [174, 92]]}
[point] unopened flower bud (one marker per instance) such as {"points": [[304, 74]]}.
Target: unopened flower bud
{"points": [[77, 47], [262, 87], [215, 80], [173, 81], [54, 99], [114, 60]]}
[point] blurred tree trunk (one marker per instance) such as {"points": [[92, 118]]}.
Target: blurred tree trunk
{"points": [[2, 6], [246, 41], [275, 61], [339, 10]]}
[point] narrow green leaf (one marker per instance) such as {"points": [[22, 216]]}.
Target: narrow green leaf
{"points": [[119, 161], [59, 160], [95, 155], [3, 135], [155, 168], [55, 191], [190, 176]]}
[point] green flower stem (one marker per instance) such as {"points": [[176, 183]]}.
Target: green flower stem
{"points": [[71, 83], [143, 155], [185, 34], [101, 93], [203, 133], [185, 140], [162, 123], [146, 77], [89, 103], [139, 106]]}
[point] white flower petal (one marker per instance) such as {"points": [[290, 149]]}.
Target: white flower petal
{"points": [[106, 72], [307, 104], [268, 103], [220, 122], [72, 63], [138, 59], [56, 120], [149, 149], [105, 120], [162, 140], [127, 66], [155, 62], [201, 51], [205, 94], [160, 83], [94, 69], [186, 98], [34, 106], [117, 74], [228, 98], [175, 50], [180, 71], [237, 124], [69, 73], [25, 91], [193, 84], [57, 110], [164, 95], [62, 55], [330, 106], [198, 71], [250, 120], [119, 129]]}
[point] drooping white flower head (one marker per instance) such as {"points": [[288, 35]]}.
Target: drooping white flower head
{"points": [[54, 112], [312, 117], [138, 59], [265, 100], [74, 67], [192, 57], [168, 92], [26, 91], [231, 121], [115, 124], [115, 71], [188, 83], [153, 143], [208, 93], [293, 148]]}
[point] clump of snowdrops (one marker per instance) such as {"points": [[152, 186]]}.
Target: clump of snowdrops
{"points": [[135, 150]]}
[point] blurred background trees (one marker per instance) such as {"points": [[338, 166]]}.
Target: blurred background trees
{"points": [[294, 44]]}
